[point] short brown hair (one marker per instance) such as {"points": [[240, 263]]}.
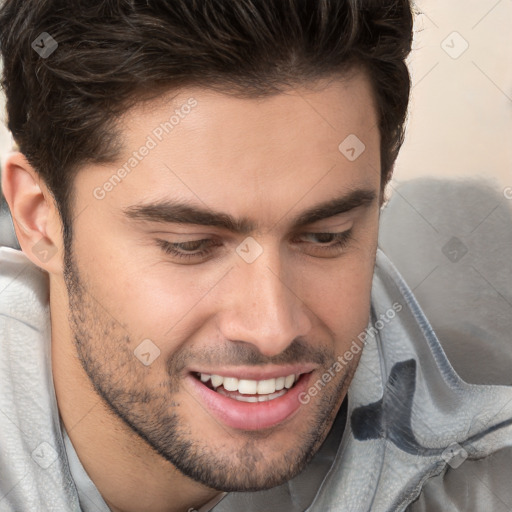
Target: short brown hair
{"points": [[62, 109]]}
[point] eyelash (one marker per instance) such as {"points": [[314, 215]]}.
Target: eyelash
{"points": [[176, 249], [341, 240]]}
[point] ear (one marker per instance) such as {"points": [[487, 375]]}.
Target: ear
{"points": [[35, 215]]}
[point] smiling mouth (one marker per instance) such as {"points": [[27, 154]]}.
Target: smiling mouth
{"points": [[245, 390]]}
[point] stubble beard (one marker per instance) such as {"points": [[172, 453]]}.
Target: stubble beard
{"points": [[105, 350]]}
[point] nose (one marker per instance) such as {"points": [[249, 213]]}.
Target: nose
{"points": [[263, 309]]}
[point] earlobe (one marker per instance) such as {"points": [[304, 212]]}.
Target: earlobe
{"points": [[33, 211]]}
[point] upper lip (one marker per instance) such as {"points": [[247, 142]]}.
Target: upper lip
{"points": [[252, 373]]}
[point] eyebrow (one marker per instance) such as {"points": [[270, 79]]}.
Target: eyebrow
{"points": [[176, 212]]}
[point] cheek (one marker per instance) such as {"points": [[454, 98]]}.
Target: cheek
{"points": [[341, 298], [150, 299]]}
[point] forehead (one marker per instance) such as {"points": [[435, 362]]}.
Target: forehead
{"points": [[235, 154]]}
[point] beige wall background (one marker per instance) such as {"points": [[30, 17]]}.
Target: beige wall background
{"points": [[460, 121]]}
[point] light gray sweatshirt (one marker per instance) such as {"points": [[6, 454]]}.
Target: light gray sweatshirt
{"points": [[410, 436]]}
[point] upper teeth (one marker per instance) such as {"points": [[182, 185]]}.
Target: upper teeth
{"points": [[250, 387]]}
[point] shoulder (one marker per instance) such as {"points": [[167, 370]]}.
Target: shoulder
{"points": [[476, 485], [23, 289], [451, 241]]}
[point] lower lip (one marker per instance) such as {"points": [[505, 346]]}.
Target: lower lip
{"points": [[251, 415]]}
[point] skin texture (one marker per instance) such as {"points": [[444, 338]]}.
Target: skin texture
{"points": [[143, 434]]}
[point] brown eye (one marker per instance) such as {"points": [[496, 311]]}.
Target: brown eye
{"points": [[192, 246], [324, 245], [193, 251], [324, 238]]}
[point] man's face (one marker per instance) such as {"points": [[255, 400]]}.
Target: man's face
{"points": [[228, 248]]}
